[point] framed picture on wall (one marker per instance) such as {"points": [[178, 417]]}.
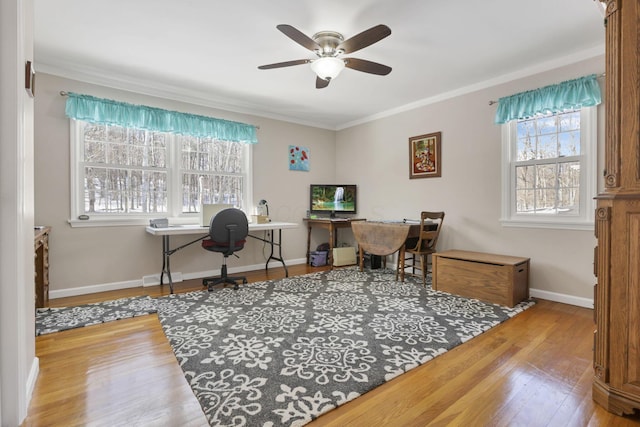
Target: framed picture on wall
{"points": [[298, 158], [425, 156], [30, 79]]}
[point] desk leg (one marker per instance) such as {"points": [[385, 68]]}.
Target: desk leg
{"points": [[166, 269], [333, 236], [361, 258], [279, 257], [401, 255], [308, 243]]}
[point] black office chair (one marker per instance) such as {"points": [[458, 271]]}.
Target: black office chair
{"points": [[228, 231]]}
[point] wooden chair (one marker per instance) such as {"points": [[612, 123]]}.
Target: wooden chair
{"points": [[420, 246]]}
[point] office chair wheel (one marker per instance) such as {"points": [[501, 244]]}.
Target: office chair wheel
{"points": [[236, 286]]}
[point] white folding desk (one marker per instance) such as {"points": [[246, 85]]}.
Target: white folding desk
{"points": [[203, 232]]}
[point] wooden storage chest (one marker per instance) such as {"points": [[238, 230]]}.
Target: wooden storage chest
{"points": [[499, 279]]}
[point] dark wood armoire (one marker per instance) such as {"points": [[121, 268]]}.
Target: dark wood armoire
{"points": [[616, 358]]}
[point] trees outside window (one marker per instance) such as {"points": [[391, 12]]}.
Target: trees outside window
{"points": [[123, 173], [549, 170]]}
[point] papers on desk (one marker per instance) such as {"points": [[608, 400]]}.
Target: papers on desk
{"points": [[208, 211], [159, 222], [411, 221], [397, 221]]}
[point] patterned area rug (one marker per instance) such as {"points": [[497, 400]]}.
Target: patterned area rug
{"points": [[50, 320], [284, 352]]}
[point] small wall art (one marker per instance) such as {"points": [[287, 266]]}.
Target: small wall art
{"points": [[298, 158], [30, 79], [425, 156]]}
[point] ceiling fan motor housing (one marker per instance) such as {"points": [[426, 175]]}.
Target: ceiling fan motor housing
{"points": [[329, 42]]}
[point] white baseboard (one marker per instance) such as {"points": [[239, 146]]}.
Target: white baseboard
{"points": [[154, 279], [563, 298], [32, 378], [92, 289]]}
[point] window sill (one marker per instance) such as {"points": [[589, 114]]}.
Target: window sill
{"points": [[123, 222], [554, 224]]}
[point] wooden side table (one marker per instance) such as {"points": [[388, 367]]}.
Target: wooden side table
{"points": [[41, 255], [331, 224], [381, 238]]}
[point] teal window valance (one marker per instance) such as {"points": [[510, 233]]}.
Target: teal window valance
{"points": [[106, 111], [571, 94]]}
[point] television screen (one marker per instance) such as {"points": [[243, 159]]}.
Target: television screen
{"points": [[331, 198]]}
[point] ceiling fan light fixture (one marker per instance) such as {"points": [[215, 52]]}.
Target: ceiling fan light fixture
{"points": [[327, 68], [328, 47]]}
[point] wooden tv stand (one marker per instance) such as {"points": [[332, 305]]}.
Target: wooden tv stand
{"points": [[331, 224], [498, 279]]}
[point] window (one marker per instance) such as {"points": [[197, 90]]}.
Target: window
{"points": [[549, 174], [212, 172], [123, 175]]}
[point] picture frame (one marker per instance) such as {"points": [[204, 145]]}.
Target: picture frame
{"points": [[299, 158], [30, 79], [425, 156]]}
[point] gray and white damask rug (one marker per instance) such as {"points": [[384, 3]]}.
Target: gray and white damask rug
{"points": [[49, 320], [284, 352]]}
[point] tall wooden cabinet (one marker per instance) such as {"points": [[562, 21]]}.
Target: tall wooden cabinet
{"points": [[41, 255], [616, 384]]}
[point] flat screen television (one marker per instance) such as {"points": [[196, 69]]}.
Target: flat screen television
{"points": [[333, 199]]}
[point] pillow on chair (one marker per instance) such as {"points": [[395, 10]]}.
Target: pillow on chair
{"points": [[208, 243]]}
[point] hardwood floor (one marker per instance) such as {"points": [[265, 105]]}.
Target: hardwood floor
{"points": [[533, 370]]}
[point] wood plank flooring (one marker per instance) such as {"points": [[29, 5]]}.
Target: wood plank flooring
{"points": [[533, 370]]}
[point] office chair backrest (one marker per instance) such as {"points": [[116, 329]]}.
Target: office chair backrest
{"points": [[229, 228], [210, 210]]}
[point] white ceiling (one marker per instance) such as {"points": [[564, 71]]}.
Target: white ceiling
{"points": [[208, 51]]}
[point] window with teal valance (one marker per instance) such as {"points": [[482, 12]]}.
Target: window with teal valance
{"points": [[106, 111], [571, 94]]}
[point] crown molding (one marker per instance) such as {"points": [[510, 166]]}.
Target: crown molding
{"points": [[211, 100], [505, 78], [148, 87]]}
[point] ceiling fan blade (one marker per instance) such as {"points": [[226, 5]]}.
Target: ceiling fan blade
{"points": [[298, 37], [321, 83], [364, 39], [284, 64], [367, 66]]}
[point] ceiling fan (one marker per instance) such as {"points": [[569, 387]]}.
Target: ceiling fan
{"points": [[329, 46]]}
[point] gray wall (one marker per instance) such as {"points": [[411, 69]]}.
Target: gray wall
{"points": [[99, 258], [469, 190], [373, 155]]}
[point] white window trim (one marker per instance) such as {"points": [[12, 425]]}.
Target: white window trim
{"points": [[588, 177], [174, 214]]}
